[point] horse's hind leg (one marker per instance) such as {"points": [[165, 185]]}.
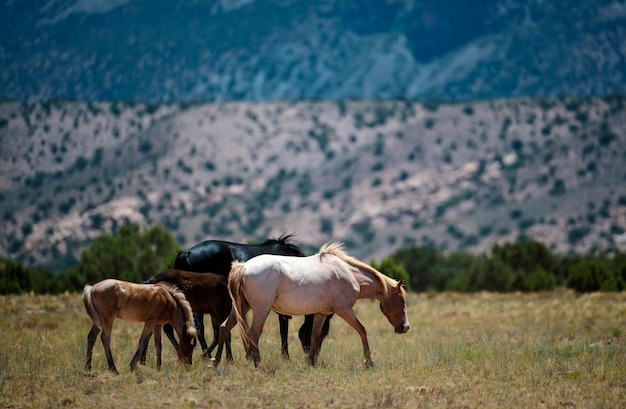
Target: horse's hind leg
{"points": [[256, 328], [229, 351], [91, 340], [105, 337], [350, 317]]}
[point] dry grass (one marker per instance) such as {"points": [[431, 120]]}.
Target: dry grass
{"points": [[550, 350]]}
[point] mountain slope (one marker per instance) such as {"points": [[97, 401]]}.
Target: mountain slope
{"points": [[377, 175], [140, 50]]}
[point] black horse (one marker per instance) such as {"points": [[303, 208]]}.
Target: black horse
{"points": [[216, 256]]}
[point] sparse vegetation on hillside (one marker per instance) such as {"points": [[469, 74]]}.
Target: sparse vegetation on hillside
{"points": [[378, 175]]}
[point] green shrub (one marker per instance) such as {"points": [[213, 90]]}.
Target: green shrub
{"points": [[590, 275], [538, 280], [132, 254], [389, 267], [490, 274]]}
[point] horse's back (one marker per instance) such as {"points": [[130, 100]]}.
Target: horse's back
{"points": [[300, 285], [128, 301], [204, 291], [207, 256], [216, 256]]}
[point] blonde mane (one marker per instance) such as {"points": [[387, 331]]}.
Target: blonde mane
{"points": [[336, 249], [181, 300]]}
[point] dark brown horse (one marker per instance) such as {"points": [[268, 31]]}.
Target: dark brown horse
{"points": [[154, 305], [207, 293]]}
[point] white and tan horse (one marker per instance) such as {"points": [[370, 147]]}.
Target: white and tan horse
{"points": [[329, 282]]}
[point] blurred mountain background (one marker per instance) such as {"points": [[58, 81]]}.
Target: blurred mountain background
{"points": [[259, 50], [380, 123]]}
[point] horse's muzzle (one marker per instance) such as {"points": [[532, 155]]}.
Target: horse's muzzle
{"points": [[402, 328]]}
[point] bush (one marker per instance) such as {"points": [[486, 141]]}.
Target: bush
{"points": [[590, 275], [394, 270], [133, 254], [489, 274], [533, 265], [419, 263], [15, 278], [539, 280]]}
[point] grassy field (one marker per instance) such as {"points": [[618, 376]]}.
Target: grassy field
{"points": [[548, 350]]}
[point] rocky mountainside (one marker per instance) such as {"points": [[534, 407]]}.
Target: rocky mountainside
{"points": [[378, 175], [260, 50]]}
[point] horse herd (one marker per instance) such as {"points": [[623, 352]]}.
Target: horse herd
{"points": [[226, 280]]}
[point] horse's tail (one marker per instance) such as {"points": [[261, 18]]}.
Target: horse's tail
{"points": [[93, 313], [235, 288]]}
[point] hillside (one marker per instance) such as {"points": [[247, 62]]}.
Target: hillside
{"points": [[377, 175], [262, 50]]}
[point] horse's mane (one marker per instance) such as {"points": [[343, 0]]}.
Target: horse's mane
{"points": [[336, 249], [181, 300], [285, 239]]}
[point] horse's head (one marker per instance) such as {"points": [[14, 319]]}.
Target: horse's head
{"points": [[187, 344], [394, 308]]}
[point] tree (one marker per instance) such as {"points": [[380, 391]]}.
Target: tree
{"points": [[531, 263], [489, 274], [14, 277], [419, 263], [132, 254], [392, 269], [591, 274]]}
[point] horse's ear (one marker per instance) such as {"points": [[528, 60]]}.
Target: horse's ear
{"points": [[400, 282]]}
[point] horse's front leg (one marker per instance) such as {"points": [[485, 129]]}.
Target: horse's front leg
{"points": [[144, 353], [215, 323], [91, 340], [283, 323], [158, 345], [199, 322], [169, 332], [316, 337], [143, 342], [350, 317]]}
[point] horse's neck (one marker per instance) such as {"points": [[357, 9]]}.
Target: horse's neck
{"points": [[371, 285], [178, 319]]}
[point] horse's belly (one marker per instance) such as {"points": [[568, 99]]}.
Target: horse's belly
{"points": [[130, 316], [293, 304]]}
